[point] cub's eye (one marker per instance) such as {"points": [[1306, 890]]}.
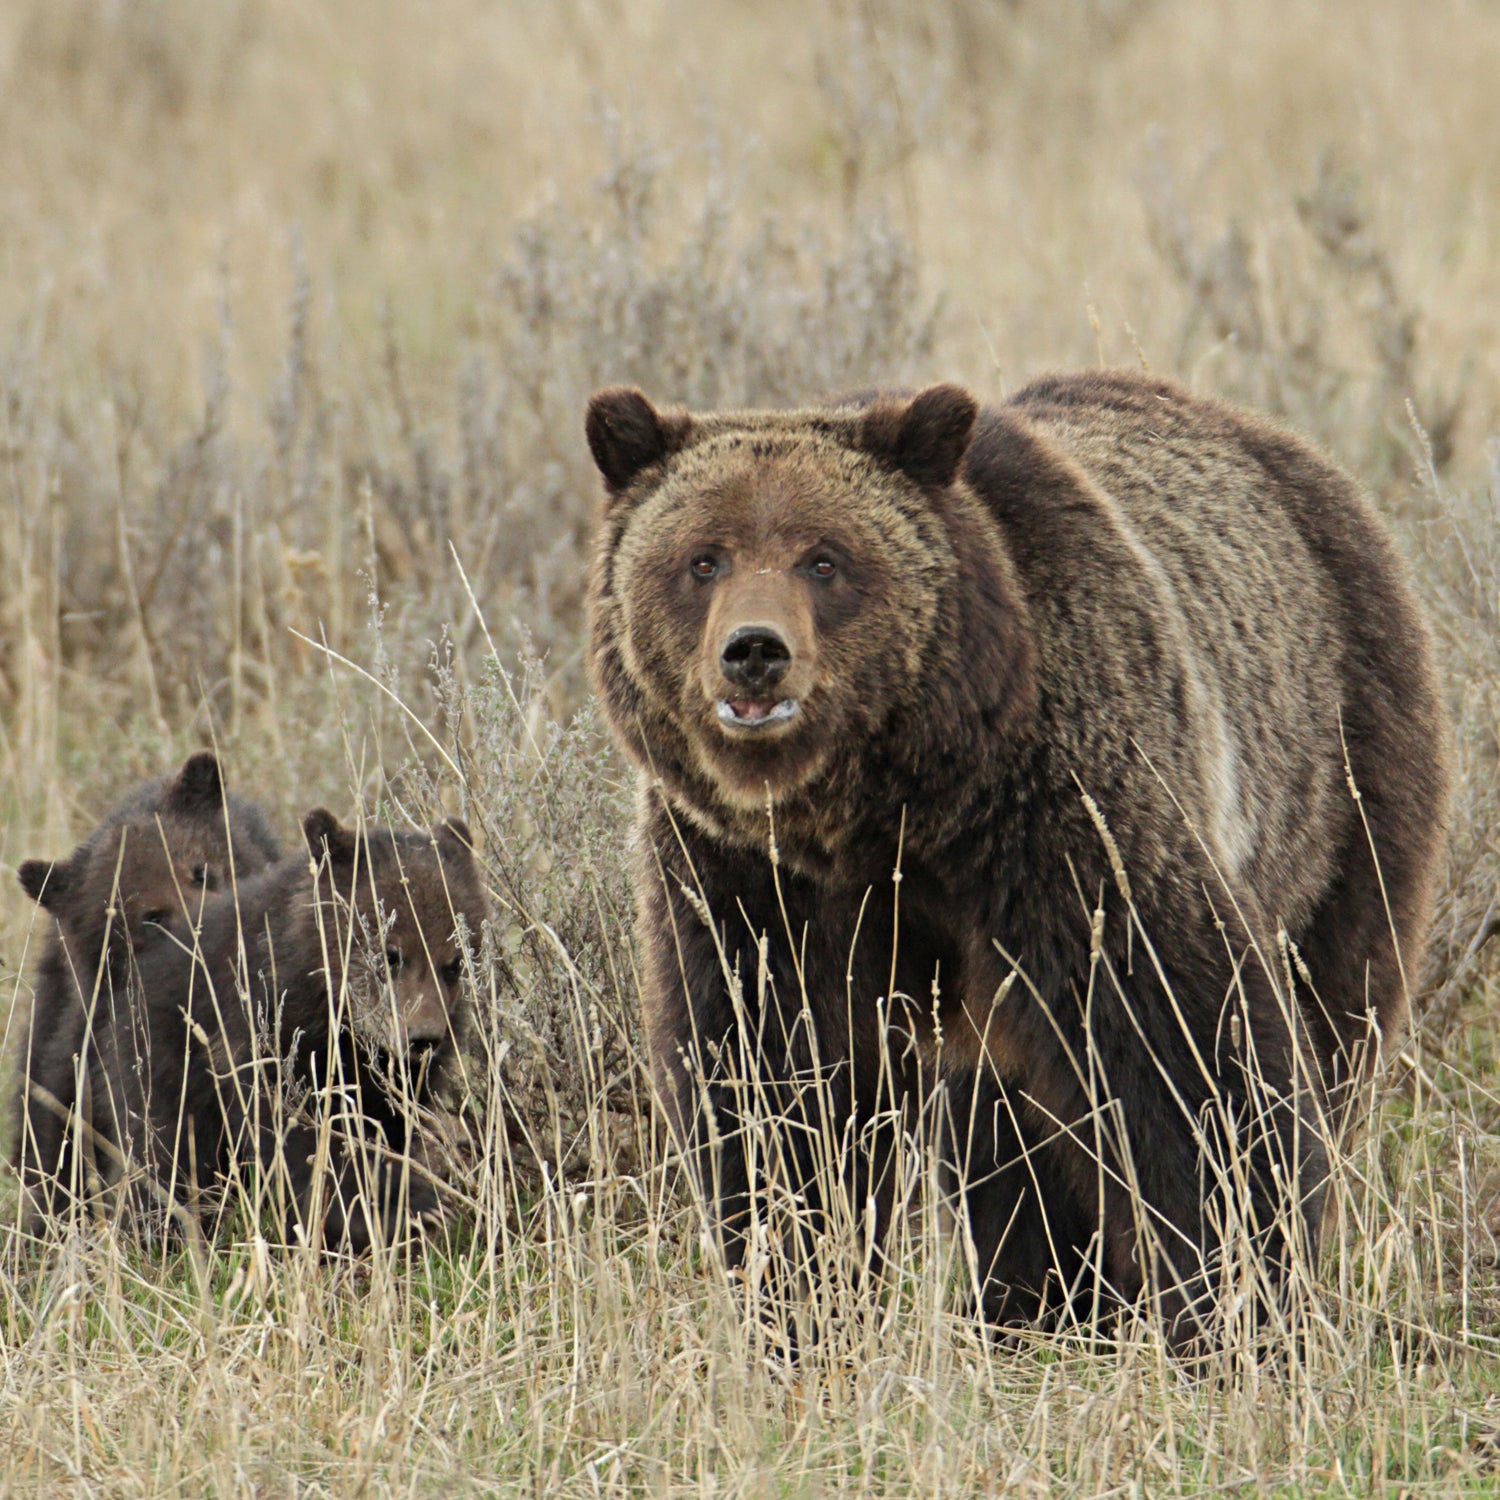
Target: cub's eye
{"points": [[206, 877], [823, 566], [394, 959], [453, 970], [156, 917], [704, 567]]}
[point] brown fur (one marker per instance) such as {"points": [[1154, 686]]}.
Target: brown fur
{"points": [[1105, 641], [348, 971], [145, 875]]}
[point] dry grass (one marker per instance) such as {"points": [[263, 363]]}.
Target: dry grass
{"points": [[299, 306]]}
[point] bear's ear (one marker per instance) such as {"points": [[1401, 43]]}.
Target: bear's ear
{"points": [[322, 830], [199, 787], [453, 835], [926, 438], [45, 881], [627, 434]]}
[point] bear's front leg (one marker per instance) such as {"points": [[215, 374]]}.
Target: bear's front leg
{"points": [[1032, 1243], [361, 1193], [768, 1061], [364, 1190]]}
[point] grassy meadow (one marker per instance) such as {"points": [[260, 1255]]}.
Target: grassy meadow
{"points": [[300, 305]]}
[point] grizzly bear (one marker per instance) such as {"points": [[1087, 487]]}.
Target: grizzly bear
{"points": [[175, 844], [1076, 765], [331, 991]]}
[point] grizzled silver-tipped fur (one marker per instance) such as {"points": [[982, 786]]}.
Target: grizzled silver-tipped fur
{"points": [[1097, 668]]}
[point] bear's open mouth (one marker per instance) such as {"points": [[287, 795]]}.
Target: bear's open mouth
{"points": [[755, 713]]}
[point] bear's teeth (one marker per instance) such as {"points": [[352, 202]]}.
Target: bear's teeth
{"points": [[748, 713]]}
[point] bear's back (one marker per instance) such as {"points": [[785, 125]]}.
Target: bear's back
{"points": [[1189, 634]]}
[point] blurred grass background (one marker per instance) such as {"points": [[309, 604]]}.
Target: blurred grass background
{"points": [[300, 304]]}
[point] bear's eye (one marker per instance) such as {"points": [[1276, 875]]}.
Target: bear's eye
{"points": [[394, 959], [156, 917], [453, 970], [823, 566], [704, 567], [204, 876]]}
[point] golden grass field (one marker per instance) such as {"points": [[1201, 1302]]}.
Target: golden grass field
{"points": [[300, 305]]}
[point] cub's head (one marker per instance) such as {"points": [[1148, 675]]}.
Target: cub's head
{"points": [[174, 843], [767, 587], [406, 908]]}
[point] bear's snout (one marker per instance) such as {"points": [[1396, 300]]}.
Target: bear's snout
{"points": [[422, 1017], [427, 1028], [755, 658]]}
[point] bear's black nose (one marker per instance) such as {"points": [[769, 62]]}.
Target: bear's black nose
{"points": [[755, 657]]}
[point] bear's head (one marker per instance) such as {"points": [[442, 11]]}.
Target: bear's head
{"points": [[401, 915], [770, 591], [151, 864]]}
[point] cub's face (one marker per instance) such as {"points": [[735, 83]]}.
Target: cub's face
{"points": [[153, 877], [402, 916], [765, 586], [151, 866]]}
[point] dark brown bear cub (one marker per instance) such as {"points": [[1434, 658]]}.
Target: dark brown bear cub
{"points": [[1095, 669], [146, 873], [330, 993]]}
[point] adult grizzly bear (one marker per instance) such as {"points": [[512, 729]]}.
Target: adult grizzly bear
{"points": [[1127, 685], [175, 844], [333, 987]]}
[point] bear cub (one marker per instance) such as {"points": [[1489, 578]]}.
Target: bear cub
{"points": [[332, 992], [145, 875]]}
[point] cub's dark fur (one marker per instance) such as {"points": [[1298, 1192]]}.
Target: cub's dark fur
{"points": [[1105, 648], [337, 986], [175, 845]]}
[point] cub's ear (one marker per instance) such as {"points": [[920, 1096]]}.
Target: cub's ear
{"points": [[925, 438], [453, 835], [322, 830], [199, 787], [627, 434], [45, 881]]}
